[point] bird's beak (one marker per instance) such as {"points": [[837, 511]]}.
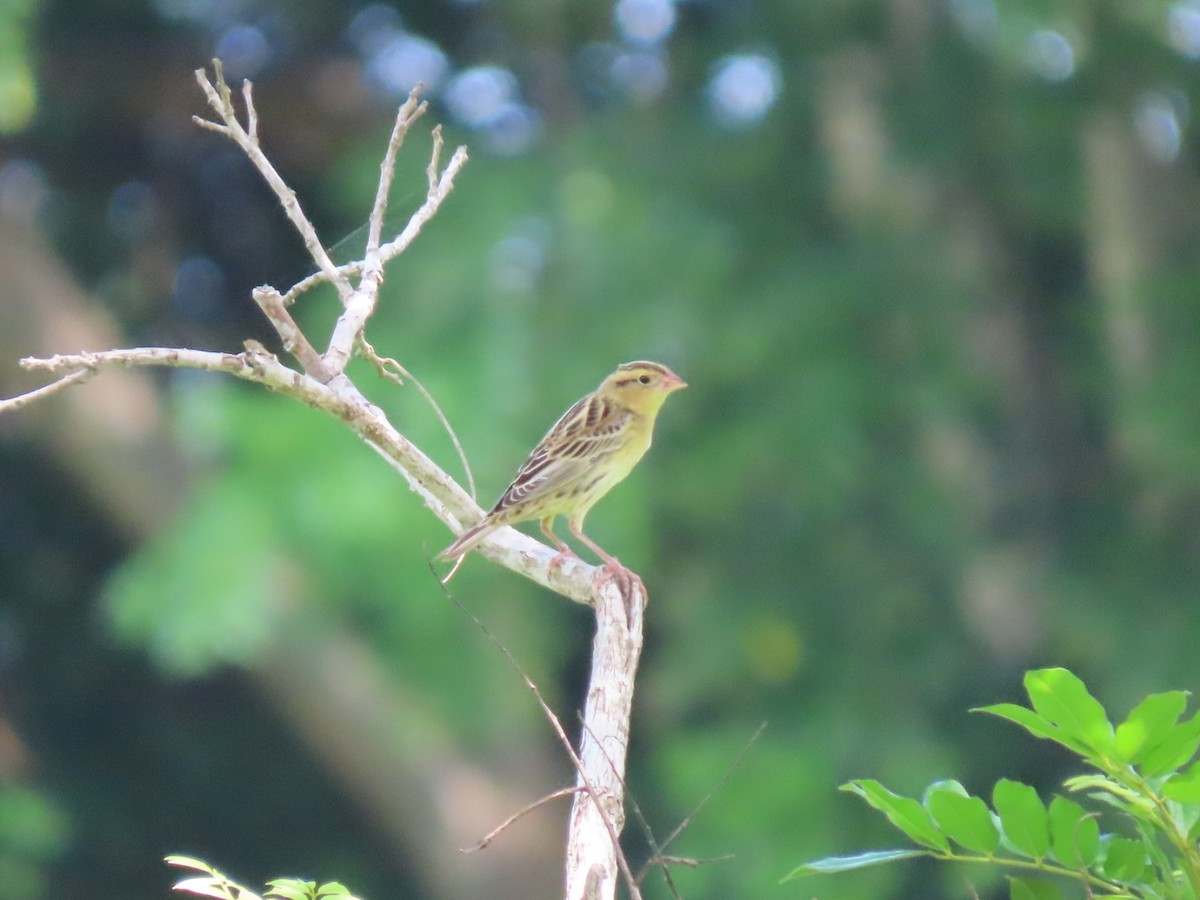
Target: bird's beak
{"points": [[674, 383]]}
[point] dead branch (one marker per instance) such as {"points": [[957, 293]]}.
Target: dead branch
{"points": [[594, 860]]}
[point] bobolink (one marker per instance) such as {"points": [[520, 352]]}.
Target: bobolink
{"points": [[590, 450]]}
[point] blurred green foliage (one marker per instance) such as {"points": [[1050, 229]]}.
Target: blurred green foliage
{"points": [[936, 303]]}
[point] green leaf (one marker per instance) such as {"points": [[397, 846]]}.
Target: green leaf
{"points": [[963, 818], [1034, 724], [1074, 834], [1063, 700], [206, 886], [189, 862], [1148, 723], [848, 863], [1027, 889], [1184, 787], [291, 889], [1174, 751], [1023, 817], [334, 889], [1124, 860], [905, 813]]}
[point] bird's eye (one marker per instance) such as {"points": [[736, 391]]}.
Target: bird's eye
{"points": [[644, 379]]}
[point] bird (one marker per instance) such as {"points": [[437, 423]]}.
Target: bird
{"points": [[591, 448]]}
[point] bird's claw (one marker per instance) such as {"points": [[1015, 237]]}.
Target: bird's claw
{"points": [[626, 581], [556, 561]]}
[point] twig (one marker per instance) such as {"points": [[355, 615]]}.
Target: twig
{"points": [[361, 304], [392, 370], [438, 189], [721, 782], [220, 99], [536, 804], [76, 377], [270, 301], [689, 861], [409, 112]]}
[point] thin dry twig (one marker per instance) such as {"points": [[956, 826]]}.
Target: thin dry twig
{"points": [[346, 270], [221, 100], [361, 303], [721, 782], [409, 112], [690, 862], [439, 186], [536, 804], [391, 369], [76, 377]]}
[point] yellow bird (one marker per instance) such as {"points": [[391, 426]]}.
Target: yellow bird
{"points": [[589, 451]]}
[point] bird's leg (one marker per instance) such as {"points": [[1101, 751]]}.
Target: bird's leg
{"points": [[564, 549], [612, 570]]}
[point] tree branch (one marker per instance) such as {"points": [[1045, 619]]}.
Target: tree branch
{"points": [[594, 861]]}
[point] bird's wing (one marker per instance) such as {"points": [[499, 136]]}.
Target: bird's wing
{"points": [[586, 433]]}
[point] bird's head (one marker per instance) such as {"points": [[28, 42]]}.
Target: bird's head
{"points": [[641, 386]]}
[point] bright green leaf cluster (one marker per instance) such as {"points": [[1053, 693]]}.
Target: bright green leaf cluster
{"points": [[214, 884], [1143, 773]]}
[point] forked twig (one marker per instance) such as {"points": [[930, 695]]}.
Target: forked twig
{"points": [[221, 100]]}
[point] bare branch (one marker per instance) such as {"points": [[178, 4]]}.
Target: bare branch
{"points": [[595, 863], [437, 193], [76, 377], [689, 862], [524, 811], [604, 743], [645, 826], [361, 304], [603, 804], [271, 303], [440, 186], [221, 101], [409, 112], [251, 112]]}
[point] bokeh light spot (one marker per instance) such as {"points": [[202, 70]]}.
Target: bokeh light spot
{"points": [[640, 75], [1183, 28], [645, 21], [1050, 55], [476, 96], [199, 288], [743, 88], [773, 649], [400, 61], [1156, 122], [243, 50]]}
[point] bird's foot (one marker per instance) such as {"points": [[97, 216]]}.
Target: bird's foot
{"points": [[564, 554], [626, 581]]}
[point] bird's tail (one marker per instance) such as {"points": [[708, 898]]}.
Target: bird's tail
{"points": [[468, 540]]}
